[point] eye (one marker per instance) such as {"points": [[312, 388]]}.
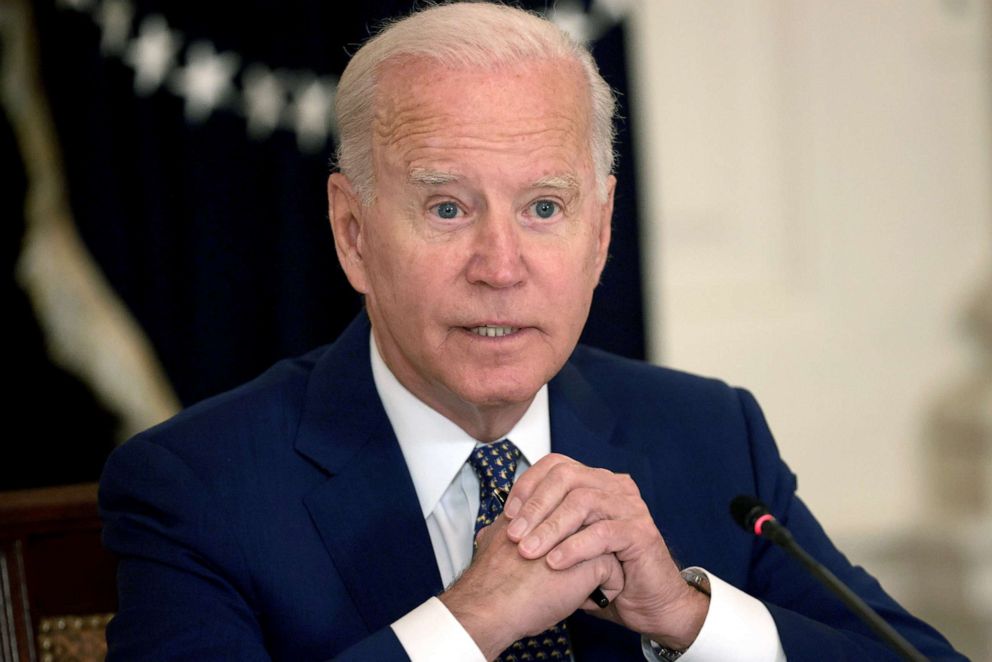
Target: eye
{"points": [[545, 208], [446, 210]]}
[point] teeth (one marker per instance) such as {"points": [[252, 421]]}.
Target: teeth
{"points": [[491, 331]]}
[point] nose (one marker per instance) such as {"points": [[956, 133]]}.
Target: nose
{"points": [[497, 257]]}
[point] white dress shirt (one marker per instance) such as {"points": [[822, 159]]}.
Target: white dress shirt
{"points": [[737, 626]]}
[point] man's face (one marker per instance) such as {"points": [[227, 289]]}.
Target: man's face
{"points": [[480, 253]]}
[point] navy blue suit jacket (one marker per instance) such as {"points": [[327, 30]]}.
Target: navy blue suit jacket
{"points": [[279, 520]]}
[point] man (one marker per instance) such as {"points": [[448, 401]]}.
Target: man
{"points": [[327, 509]]}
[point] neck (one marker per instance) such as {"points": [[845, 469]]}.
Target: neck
{"points": [[487, 423]]}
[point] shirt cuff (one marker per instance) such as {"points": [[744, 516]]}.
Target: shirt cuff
{"points": [[737, 627], [430, 632]]}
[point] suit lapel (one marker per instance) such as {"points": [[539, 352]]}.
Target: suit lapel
{"points": [[584, 428], [367, 511], [376, 535]]}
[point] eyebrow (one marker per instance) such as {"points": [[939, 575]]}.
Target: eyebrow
{"points": [[425, 177], [566, 182]]}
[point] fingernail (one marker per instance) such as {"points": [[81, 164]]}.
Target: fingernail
{"points": [[512, 507], [554, 557], [530, 544], [517, 528]]}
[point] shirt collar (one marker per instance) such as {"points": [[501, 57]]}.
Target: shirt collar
{"points": [[434, 447]]}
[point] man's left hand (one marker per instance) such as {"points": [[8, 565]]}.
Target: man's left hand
{"points": [[569, 513]]}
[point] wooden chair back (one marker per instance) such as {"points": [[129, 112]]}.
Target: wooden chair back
{"points": [[57, 583]]}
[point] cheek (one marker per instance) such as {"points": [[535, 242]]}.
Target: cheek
{"points": [[384, 260], [574, 280], [574, 267], [406, 274]]}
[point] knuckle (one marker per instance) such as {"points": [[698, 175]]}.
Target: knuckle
{"points": [[578, 500], [551, 528], [602, 532], [603, 474], [628, 484], [603, 568], [535, 507], [552, 461], [607, 565], [522, 483], [560, 473], [645, 529], [573, 512], [588, 505]]}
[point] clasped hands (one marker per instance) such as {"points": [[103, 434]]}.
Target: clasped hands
{"points": [[567, 529]]}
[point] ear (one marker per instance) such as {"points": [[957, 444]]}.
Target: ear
{"points": [[346, 215], [605, 220]]}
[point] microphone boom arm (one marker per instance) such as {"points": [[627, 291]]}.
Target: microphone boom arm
{"points": [[754, 517]]}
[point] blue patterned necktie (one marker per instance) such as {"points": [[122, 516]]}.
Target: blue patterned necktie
{"points": [[496, 464]]}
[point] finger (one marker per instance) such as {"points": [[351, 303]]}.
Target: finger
{"points": [[609, 578], [525, 484], [581, 507], [485, 535], [613, 537], [557, 482], [536, 495], [575, 511]]}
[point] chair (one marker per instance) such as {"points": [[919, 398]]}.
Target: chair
{"points": [[57, 583]]}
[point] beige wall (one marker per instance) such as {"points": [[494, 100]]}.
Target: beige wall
{"points": [[818, 202]]}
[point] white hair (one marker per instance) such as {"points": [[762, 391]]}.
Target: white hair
{"points": [[462, 34]]}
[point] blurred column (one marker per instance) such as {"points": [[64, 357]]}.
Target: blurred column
{"points": [[818, 205]]}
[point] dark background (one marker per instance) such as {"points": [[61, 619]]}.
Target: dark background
{"points": [[218, 242]]}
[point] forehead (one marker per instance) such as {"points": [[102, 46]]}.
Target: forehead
{"points": [[434, 117]]}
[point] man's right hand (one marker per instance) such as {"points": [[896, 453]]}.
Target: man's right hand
{"points": [[503, 597]]}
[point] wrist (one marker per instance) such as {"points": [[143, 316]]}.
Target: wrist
{"points": [[477, 620], [691, 614], [688, 614]]}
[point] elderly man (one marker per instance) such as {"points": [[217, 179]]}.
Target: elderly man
{"points": [[330, 507]]}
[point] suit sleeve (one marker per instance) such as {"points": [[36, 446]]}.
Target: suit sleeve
{"points": [[184, 586], [812, 623]]}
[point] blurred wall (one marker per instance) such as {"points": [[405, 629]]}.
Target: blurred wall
{"points": [[819, 215], [818, 218]]}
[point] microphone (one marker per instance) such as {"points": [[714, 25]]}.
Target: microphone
{"points": [[754, 517]]}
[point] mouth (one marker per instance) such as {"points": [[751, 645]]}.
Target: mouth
{"points": [[493, 330]]}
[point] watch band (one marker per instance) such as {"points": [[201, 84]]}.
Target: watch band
{"points": [[697, 578], [654, 651]]}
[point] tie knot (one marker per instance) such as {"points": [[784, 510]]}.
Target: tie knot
{"points": [[495, 464]]}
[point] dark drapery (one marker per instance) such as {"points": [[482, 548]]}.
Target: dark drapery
{"points": [[210, 220]]}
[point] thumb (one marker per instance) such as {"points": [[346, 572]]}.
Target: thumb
{"points": [[485, 535]]}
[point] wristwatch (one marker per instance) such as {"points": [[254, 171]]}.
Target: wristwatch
{"points": [[698, 579]]}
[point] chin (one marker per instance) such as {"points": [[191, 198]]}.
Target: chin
{"points": [[496, 392]]}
